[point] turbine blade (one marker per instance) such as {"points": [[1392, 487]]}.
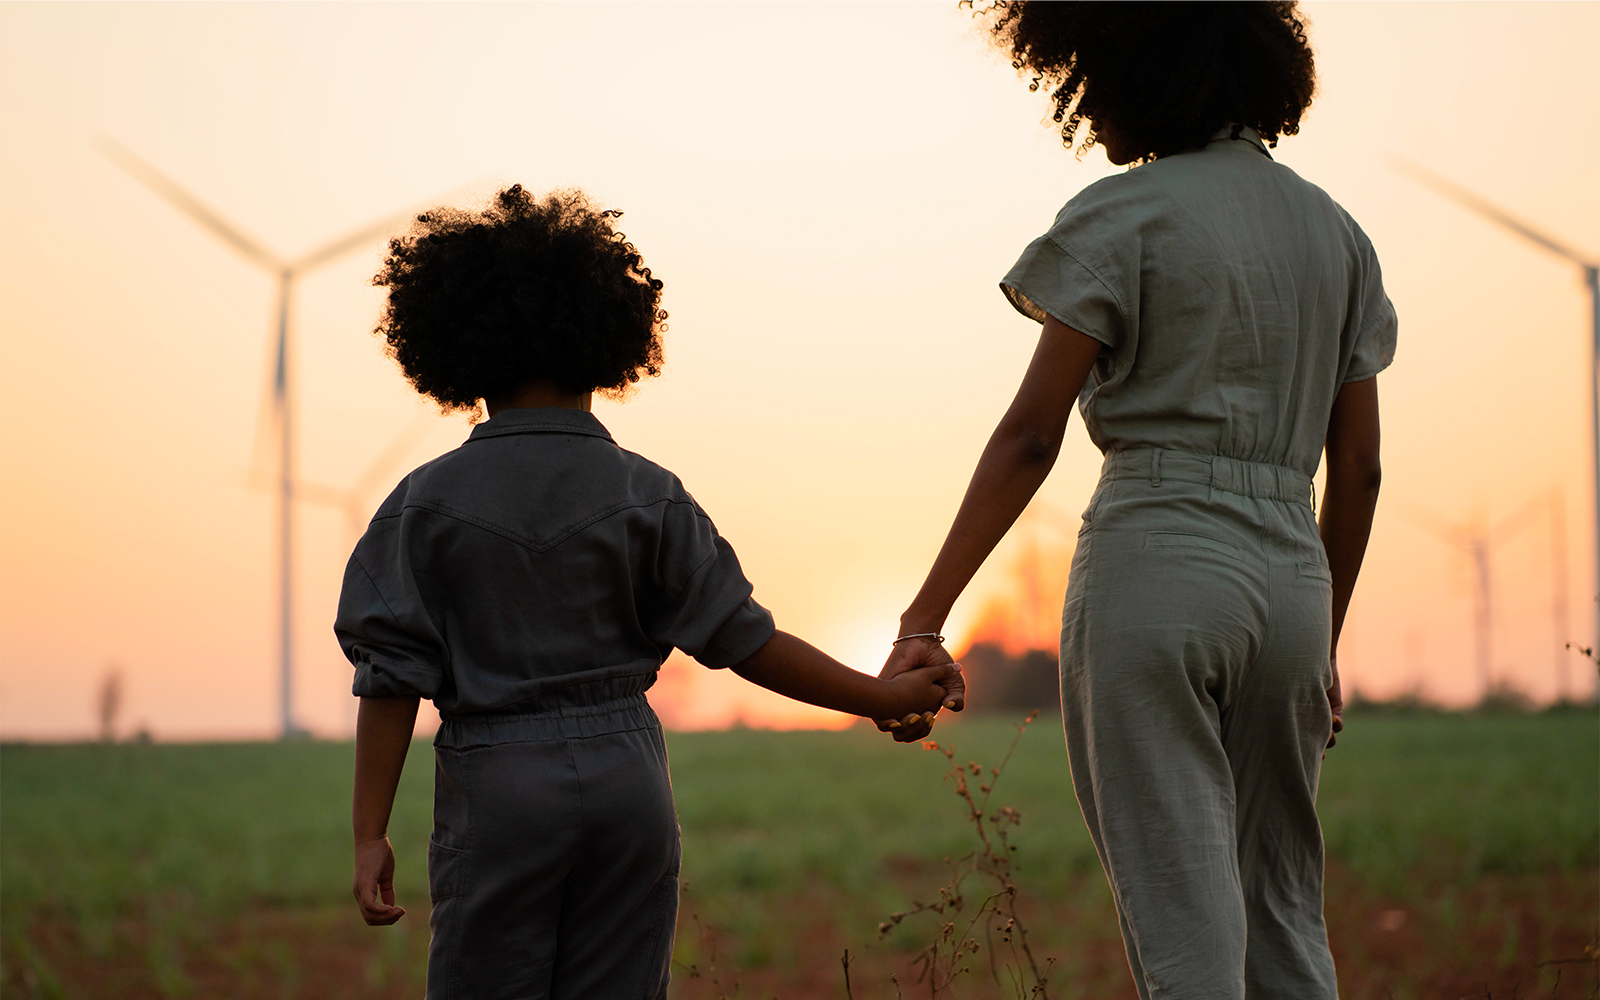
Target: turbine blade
{"points": [[345, 244], [318, 494], [383, 227], [164, 186], [1494, 213], [1454, 535], [1516, 521], [389, 457]]}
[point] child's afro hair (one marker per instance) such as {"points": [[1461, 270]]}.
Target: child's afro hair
{"points": [[1166, 76], [484, 303]]}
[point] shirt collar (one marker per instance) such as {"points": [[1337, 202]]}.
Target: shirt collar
{"points": [[1246, 134], [544, 420]]}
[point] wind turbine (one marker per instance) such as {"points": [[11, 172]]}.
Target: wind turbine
{"points": [[286, 272], [1477, 542], [352, 500], [1591, 279]]}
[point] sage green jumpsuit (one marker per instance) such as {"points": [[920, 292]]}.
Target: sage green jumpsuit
{"points": [[1234, 299]]}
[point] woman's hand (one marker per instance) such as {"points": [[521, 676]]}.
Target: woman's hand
{"points": [[374, 882], [1335, 703], [911, 655]]}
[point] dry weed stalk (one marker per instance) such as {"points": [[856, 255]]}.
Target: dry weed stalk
{"points": [[1591, 958], [708, 947], [957, 938]]}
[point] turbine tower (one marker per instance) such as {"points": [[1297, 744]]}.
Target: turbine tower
{"points": [[286, 272], [1591, 279]]}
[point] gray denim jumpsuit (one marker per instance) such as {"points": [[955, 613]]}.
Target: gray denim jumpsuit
{"points": [[531, 582], [1233, 299]]}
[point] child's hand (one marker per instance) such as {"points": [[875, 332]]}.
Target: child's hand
{"points": [[374, 882], [909, 656], [918, 695]]}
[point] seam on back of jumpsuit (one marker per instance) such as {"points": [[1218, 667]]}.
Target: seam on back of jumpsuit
{"points": [[453, 946], [577, 781], [1266, 623]]}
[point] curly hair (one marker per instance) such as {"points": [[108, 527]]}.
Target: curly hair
{"points": [[1161, 77], [484, 303]]}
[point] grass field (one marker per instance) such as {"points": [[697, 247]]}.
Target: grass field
{"points": [[1464, 851]]}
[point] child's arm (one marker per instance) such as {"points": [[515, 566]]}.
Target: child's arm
{"points": [[383, 735], [796, 669]]}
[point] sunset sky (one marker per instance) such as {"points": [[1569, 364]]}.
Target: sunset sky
{"points": [[831, 193]]}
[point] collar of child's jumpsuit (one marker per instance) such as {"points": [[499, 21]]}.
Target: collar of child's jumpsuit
{"points": [[544, 420], [1238, 133]]}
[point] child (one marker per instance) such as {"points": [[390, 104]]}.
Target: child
{"points": [[531, 582]]}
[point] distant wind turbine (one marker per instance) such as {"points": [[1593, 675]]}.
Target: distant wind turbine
{"points": [[1477, 542], [352, 499], [286, 271], [1591, 278]]}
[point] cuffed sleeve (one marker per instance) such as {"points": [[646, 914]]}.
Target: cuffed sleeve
{"points": [[1049, 280], [706, 608], [1376, 325], [390, 641]]}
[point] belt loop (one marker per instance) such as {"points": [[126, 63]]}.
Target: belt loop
{"points": [[1155, 467], [1313, 498]]}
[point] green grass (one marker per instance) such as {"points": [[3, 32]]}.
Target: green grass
{"points": [[97, 829], [172, 834], [1409, 802]]}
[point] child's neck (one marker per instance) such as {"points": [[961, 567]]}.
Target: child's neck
{"points": [[538, 394]]}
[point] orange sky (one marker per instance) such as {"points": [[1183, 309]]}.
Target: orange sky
{"points": [[831, 193]]}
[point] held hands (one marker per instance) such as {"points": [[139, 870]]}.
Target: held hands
{"points": [[374, 882], [931, 666]]}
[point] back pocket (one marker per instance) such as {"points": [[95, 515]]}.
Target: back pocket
{"points": [[1180, 540], [1315, 571], [444, 871]]}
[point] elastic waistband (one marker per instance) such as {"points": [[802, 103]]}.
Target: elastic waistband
{"points": [[1231, 475], [576, 712]]}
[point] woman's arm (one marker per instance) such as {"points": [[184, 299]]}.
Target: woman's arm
{"points": [[1348, 502], [383, 735], [1020, 454], [796, 669]]}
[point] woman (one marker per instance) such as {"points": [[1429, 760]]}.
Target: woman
{"points": [[1220, 322]]}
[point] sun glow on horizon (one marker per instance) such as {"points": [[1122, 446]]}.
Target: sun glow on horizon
{"points": [[838, 351]]}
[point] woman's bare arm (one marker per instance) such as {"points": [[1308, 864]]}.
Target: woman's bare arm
{"points": [[1348, 503], [1020, 454]]}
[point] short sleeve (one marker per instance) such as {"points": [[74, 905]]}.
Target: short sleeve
{"points": [[1375, 323], [1049, 280], [388, 637], [705, 607]]}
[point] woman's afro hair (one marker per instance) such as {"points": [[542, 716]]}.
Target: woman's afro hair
{"points": [[1164, 76], [484, 303]]}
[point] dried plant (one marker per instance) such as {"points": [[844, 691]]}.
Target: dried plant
{"points": [[992, 928], [705, 969], [1591, 959]]}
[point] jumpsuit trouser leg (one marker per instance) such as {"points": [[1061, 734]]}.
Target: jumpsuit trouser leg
{"points": [[553, 866], [1194, 661]]}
